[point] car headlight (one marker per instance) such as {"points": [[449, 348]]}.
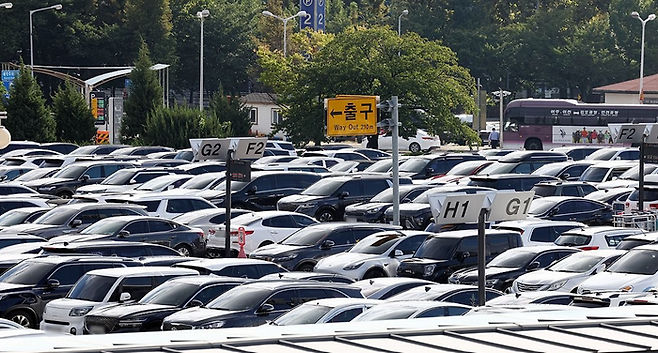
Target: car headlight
{"points": [[628, 288], [491, 282], [46, 188], [353, 266], [374, 210], [306, 205], [557, 285], [131, 323], [219, 200], [284, 258], [429, 270], [80, 311], [210, 325]]}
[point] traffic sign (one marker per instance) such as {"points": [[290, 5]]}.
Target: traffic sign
{"points": [[511, 205], [213, 149], [627, 133], [250, 147], [351, 115], [456, 207]]}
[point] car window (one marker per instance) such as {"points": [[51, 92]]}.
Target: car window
{"points": [[438, 166], [374, 187], [129, 212], [398, 289], [263, 183], [283, 300], [434, 312], [268, 269], [137, 227], [351, 186], [570, 191], [130, 251], [111, 168], [308, 294], [200, 205], [566, 207], [346, 315], [160, 226], [546, 259], [543, 234], [410, 245], [151, 206], [161, 251], [497, 244], [240, 271], [614, 240], [342, 237], [284, 221], [88, 216], [302, 221], [211, 292], [468, 244], [522, 168], [466, 297], [95, 172], [137, 287], [362, 233], [68, 274], [109, 212], [588, 189], [456, 311], [179, 206]]}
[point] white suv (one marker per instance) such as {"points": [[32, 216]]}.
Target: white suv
{"points": [[421, 142], [538, 231], [165, 205], [100, 288]]}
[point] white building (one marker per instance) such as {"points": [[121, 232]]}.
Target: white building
{"points": [[264, 112]]}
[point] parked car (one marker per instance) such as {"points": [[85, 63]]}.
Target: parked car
{"points": [[252, 304], [610, 196], [569, 170], [373, 209], [283, 146], [207, 219], [518, 182], [126, 179], [320, 161], [605, 171], [147, 314], [615, 153], [303, 249], [326, 310], [163, 205], [61, 147], [243, 268], [9, 203], [650, 194], [502, 270], [455, 293], [412, 309], [100, 288], [197, 168], [140, 150], [434, 165], [577, 153], [114, 248], [162, 183], [444, 253], [96, 149], [563, 188], [13, 239], [595, 238], [526, 299], [522, 162], [377, 255], [636, 240], [566, 274], [630, 178], [345, 155], [570, 208], [371, 153], [8, 189], [308, 276], [348, 167], [386, 287], [459, 171], [538, 231], [414, 144], [34, 174]]}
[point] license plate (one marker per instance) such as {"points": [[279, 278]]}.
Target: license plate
{"points": [[350, 219], [97, 329]]}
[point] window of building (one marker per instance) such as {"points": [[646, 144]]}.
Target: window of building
{"points": [[253, 115], [276, 116]]}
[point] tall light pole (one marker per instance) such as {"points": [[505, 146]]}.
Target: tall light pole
{"points": [[53, 7], [651, 17], [201, 15], [6, 5], [404, 13], [285, 22]]}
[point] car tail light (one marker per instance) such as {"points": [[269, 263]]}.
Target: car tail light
{"points": [[589, 248], [202, 235], [628, 204], [653, 206], [427, 138]]}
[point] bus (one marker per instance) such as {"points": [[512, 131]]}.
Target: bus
{"points": [[538, 124]]}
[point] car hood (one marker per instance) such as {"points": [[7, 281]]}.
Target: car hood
{"points": [[546, 277], [133, 309], [414, 261], [275, 249], [78, 237], [619, 183], [68, 303], [197, 315], [410, 207], [343, 259], [97, 188], [46, 181], [211, 194], [362, 207], [610, 281], [11, 287], [27, 228], [299, 198]]}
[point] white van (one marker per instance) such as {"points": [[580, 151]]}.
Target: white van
{"points": [[100, 288]]}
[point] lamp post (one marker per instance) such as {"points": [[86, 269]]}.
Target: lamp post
{"points": [[651, 17], [53, 7], [6, 5], [201, 15], [285, 22], [404, 13]]}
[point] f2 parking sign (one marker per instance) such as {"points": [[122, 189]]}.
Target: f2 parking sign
{"points": [[315, 18]]}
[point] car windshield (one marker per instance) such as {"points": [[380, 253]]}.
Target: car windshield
{"points": [[199, 182], [107, 226], [120, 177], [376, 244], [512, 259], [641, 262], [380, 166], [386, 196], [27, 272], [541, 206], [634, 172], [544, 190], [549, 169], [324, 187], [437, 248], [83, 150], [414, 165], [35, 174], [156, 184], [239, 298], [13, 217], [594, 174], [575, 264], [568, 239], [602, 155], [71, 172], [92, 288], [56, 216], [385, 312], [170, 293], [465, 168], [306, 236], [649, 195], [303, 315], [343, 166], [423, 198], [497, 168], [190, 217]]}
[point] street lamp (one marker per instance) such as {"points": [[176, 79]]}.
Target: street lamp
{"points": [[53, 7], [201, 15], [6, 5], [404, 13], [285, 21], [651, 17]]}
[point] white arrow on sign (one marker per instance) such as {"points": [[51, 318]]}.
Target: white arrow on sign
{"points": [[213, 149], [250, 147], [456, 207], [627, 133], [508, 206]]}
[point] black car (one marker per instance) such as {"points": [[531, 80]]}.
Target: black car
{"points": [[233, 267], [569, 208], [61, 147], [454, 293], [518, 182], [570, 170], [502, 270], [65, 182], [126, 179], [112, 248], [563, 188], [170, 297], [444, 253], [263, 191], [13, 239], [431, 165], [577, 153], [187, 241], [373, 210], [302, 249], [27, 287], [252, 304], [523, 162], [73, 218], [326, 200], [417, 214], [100, 150]]}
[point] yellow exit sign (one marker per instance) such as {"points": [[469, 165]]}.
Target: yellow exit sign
{"points": [[351, 115]]}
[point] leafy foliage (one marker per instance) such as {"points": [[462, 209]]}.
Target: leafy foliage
{"points": [[229, 109], [27, 115], [73, 118], [174, 127]]}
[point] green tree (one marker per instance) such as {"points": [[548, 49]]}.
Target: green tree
{"points": [[230, 109], [174, 127], [144, 97], [151, 21], [27, 115], [425, 76], [74, 120]]}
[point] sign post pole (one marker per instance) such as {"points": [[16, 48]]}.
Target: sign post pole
{"points": [[227, 202], [481, 256], [396, 161]]}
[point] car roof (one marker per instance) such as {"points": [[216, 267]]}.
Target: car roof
{"points": [[97, 243], [80, 206], [275, 284], [389, 281], [518, 156], [302, 275], [218, 264], [599, 229], [22, 236], [207, 279], [142, 271], [542, 248], [419, 304], [511, 176], [55, 259], [557, 199], [338, 302], [337, 225], [469, 232], [537, 221]]}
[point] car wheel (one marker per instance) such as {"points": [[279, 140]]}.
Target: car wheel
{"points": [[184, 250], [306, 267], [65, 195], [414, 147], [22, 318], [325, 215], [507, 288], [374, 273]]}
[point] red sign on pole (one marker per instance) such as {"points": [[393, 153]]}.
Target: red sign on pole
{"points": [[241, 242]]}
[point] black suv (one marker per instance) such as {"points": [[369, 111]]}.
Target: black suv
{"points": [[444, 253], [65, 182], [74, 218], [373, 210], [113, 248], [427, 166], [127, 179], [26, 288], [326, 200], [301, 250], [523, 162], [518, 182], [559, 188], [252, 304], [263, 191]]}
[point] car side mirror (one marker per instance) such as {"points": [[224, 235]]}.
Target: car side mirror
{"points": [[265, 309], [464, 255], [123, 234], [84, 178], [132, 181], [124, 297], [327, 244], [194, 303], [553, 212], [533, 266], [565, 176], [52, 283], [397, 253], [75, 222], [252, 190], [343, 194], [429, 171], [405, 200]]}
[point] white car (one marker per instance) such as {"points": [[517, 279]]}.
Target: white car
{"points": [[635, 271], [421, 142], [538, 231], [326, 310], [566, 274], [207, 219], [377, 255], [261, 228], [163, 205]]}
